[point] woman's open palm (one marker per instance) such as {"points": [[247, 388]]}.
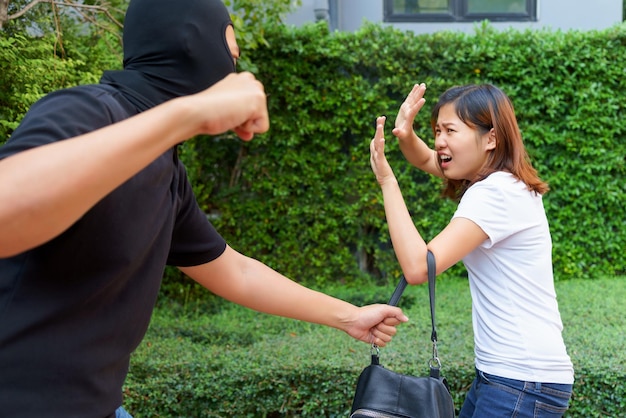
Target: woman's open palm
{"points": [[409, 109], [378, 160]]}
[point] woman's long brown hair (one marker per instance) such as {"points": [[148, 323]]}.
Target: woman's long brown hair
{"points": [[483, 107]]}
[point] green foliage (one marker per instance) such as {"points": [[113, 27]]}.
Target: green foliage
{"points": [[30, 68], [236, 362], [38, 19], [594, 318], [52, 48], [302, 197], [251, 18]]}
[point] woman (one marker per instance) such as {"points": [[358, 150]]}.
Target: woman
{"points": [[501, 233]]}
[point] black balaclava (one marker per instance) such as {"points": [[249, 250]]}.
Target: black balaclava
{"points": [[172, 48]]}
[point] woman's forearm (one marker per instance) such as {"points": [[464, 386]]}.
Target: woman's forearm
{"points": [[419, 154], [407, 242]]}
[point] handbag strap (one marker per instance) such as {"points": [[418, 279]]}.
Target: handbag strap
{"points": [[434, 363]]}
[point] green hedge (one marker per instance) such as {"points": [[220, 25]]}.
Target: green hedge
{"points": [[303, 199], [237, 363], [29, 68]]}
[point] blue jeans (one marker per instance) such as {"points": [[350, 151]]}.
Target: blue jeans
{"points": [[498, 397], [122, 413]]}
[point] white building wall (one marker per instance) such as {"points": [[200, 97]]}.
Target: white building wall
{"points": [[349, 15]]}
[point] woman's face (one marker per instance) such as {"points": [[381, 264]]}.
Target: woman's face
{"points": [[462, 151]]}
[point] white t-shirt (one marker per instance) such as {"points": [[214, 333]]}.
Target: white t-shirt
{"points": [[515, 315]]}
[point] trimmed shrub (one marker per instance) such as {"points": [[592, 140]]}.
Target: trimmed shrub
{"points": [[239, 363], [302, 197]]}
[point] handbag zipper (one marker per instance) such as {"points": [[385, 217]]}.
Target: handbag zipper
{"points": [[372, 414]]}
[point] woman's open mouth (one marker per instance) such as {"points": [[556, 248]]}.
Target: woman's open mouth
{"points": [[444, 160]]}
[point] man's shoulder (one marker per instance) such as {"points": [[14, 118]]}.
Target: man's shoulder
{"points": [[84, 99], [67, 113]]}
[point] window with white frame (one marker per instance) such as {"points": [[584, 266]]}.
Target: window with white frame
{"points": [[460, 10]]}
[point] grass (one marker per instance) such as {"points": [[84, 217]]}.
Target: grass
{"points": [[221, 339], [593, 313]]}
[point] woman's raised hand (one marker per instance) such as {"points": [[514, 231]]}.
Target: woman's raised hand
{"points": [[408, 110], [378, 160]]}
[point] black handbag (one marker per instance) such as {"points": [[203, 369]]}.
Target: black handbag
{"points": [[383, 393]]}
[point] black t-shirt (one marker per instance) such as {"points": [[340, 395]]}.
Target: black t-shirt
{"points": [[73, 309]]}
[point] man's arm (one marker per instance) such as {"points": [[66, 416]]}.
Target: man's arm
{"points": [[250, 283], [44, 190]]}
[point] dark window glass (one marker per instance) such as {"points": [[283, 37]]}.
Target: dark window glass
{"points": [[496, 6], [421, 6], [459, 10]]}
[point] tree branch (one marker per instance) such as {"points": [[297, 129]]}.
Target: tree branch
{"points": [[27, 8], [99, 9]]}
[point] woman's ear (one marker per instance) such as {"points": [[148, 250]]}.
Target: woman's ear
{"points": [[491, 140]]}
